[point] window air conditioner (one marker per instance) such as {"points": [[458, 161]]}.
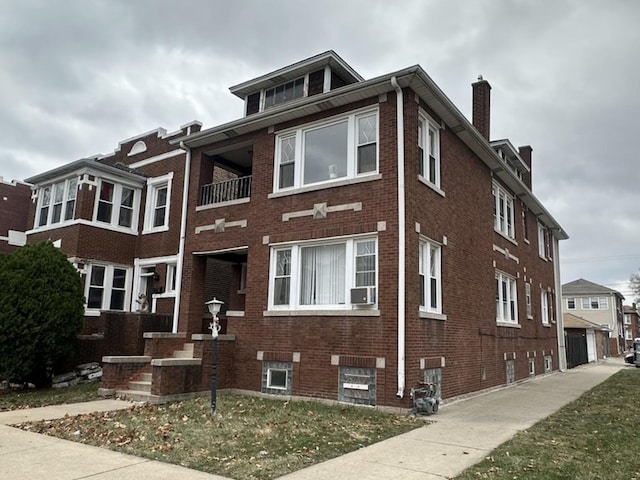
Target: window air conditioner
{"points": [[363, 295]]}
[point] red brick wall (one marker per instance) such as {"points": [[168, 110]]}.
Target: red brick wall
{"points": [[15, 199]]}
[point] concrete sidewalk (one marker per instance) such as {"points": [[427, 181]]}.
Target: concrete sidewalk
{"points": [[462, 434]]}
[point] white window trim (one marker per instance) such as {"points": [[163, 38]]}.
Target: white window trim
{"points": [[527, 298], [352, 150], [115, 210], [423, 141], [107, 288], [603, 303], [65, 199], [263, 94], [277, 387], [544, 307], [153, 185], [513, 289], [139, 264], [426, 244], [294, 305], [509, 229]]}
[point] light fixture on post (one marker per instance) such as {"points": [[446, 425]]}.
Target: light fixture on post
{"points": [[214, 308]]}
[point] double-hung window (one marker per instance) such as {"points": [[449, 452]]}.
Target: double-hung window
{"points": [[57, 202], [544, 306], [107, 287], [430, 277], [428, 150], [595, 303], [506, 299], [503, 211], [320, 275], [116, 205], [342, 148], [158, 203], [571, 303], [527, 296], [544, 247]]}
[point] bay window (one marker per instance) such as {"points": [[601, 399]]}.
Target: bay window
{"points": [[116, 205], [341, 148], [57, 202], [321, 274], [506, 299]]}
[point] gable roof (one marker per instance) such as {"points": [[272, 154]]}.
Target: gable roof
{"points": [[573, 321], [585, 287]]}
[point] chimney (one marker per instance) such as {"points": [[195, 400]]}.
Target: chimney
{"points": [[525, 154], [481, 115]]}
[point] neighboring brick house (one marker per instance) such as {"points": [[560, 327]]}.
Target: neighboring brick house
{"points": [[15, 198], [117, 217], [597, 304], [379, 239], [631, 325]]}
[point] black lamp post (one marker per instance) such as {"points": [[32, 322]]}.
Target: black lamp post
{"points": [[214, 308]]}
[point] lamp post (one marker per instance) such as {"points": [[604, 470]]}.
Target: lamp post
{"points": [[214, 308]]}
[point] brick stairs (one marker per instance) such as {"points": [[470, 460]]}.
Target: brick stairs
{"points": [[139, 389]]}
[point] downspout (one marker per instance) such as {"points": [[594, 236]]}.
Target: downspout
{"points": [[183, 231], [562, 350], [401, 237]]}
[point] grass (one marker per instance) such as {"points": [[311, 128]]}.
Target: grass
{"points": [[594, 437], [18, 399], [254, 438]]}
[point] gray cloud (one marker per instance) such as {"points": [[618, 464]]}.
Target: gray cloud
{"points": [[79, 76]]}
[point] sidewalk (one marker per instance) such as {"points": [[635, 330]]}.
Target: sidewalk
{"points": [[463, 433]]}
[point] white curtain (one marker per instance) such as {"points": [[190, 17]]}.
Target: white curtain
{"points": [[323, 275]]}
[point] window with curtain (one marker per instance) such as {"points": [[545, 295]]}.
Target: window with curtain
{"points": [[322, 274]]}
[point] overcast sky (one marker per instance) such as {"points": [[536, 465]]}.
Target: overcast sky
{"points": [[77, 77]]}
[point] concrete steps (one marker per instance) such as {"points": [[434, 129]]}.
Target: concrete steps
{"points": [[186, 352]]}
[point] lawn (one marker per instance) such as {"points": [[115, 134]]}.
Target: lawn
{"points": [[17, 399], [593, 437], [254, 438]]}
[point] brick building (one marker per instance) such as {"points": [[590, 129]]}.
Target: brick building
{"points": [[367, 236], [14, 202], [631, 325]]}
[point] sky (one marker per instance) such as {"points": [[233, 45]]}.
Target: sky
{"points": [[77, 77]]}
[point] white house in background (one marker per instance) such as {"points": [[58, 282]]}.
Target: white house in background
{"points": [[599, 305]]}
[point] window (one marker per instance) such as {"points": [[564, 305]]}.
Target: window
{"points": [[627, 319], [171, 278], [511, 371], [430, 277], [506, 299], [548, 363], [346, 147], [628, 335], [571, 303], [57, 202], [503, 211], [527, 295], [532, 367], [116, 205], [107, 287], [157, 204], [525, 222], [276, 378], [544, 306], [544, 246], [428, 150], [285, 92], [595, 303], [309, 275]]}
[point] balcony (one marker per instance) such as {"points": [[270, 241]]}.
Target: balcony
{"points": [[225, 191]]}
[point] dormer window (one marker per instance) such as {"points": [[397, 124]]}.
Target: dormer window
{"points": [[284, 93]]}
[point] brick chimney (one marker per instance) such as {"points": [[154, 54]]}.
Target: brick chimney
{"points": [[525, 154], [481, 115]]}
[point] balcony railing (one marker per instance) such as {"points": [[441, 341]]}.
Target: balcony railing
{"points": [[226, 191]]}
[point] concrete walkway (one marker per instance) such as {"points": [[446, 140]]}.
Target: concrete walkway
{"points": [[463, 433]]}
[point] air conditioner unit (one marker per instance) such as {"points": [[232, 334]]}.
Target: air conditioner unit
{"points": [[363, 296]]}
